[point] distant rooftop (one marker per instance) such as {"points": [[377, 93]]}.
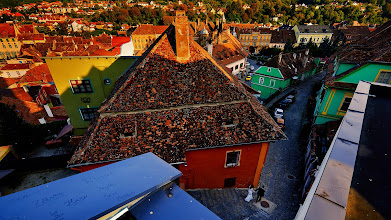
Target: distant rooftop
{"points": [[314, 29]]}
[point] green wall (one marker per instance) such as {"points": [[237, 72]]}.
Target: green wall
{"points": [[96, 69], [267, 87], [367, 72]]}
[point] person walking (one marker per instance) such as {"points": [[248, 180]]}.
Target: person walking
{"points": [[249, 197], [260, 194]]}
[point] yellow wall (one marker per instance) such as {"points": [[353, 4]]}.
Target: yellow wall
{"points": [[96, 69], [142, 41], [9, 47], [261, 40]]}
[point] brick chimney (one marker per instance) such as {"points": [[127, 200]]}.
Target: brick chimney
{"points": [[279, 57], [182, 36]]}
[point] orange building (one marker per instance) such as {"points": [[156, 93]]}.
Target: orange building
{"points": [[144, 36]]}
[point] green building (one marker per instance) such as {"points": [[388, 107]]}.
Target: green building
{"points": [[84, 83], [368, 60], [281, 71]]}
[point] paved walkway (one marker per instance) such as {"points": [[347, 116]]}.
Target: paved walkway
{"points": [[280, 175], [229, 203]]}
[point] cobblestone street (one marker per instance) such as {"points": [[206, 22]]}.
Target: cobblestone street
{"points": [[281, 175]]}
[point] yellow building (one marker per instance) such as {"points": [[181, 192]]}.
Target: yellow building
{"points": [[84, 83], [10, 46], [254, 38], [144, 36], [315, 33]]}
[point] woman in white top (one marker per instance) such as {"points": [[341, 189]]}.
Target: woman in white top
{"points": [[250, 193]]}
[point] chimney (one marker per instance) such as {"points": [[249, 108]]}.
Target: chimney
{"points": [[48, 110], [305, 60], [209, 46], [294, 56], [279, 57], [182, 36]]}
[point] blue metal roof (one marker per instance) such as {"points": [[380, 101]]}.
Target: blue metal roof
{"points": [[179, 206], [90, 194]]}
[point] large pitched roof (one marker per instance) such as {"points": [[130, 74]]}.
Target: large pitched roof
{"points": [[314, 29], [39, 73], [290, 62], [168, 107], [375, 47]]}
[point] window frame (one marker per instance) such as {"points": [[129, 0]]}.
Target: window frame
{"points": [[261, 79], [383, 72], [343, 102], [73, 92], [272, 81], [238, 158], [81, 113]]}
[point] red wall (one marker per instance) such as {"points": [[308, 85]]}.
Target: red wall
{"points": [[205, 168], [90, 167]]}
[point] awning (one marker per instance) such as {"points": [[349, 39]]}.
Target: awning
{"points": [[66, 129], [4, 173]]}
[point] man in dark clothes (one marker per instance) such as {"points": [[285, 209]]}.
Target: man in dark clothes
{"points": [[260, 194]]}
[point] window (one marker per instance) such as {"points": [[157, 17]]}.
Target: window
{"points": [[269, 69], [9, 45], [7, 40], [81, 86], [236, 67], [261, 80], [107, 81], [272, 83], [4, 46], [129, 132], [230, 182], [345, 104], [87, 114], [232, 69], [16, 46], [232, 159], [1, 40], [241, 65], [13, 39], [384, 77]]}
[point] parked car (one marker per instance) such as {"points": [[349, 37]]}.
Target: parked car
{"points": [[281, 123], [290, 98], [248, 78], [278, 113], [283, 104]]}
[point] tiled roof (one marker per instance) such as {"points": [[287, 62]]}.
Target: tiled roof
{"points": [[39, 73], [289, 63], [159, 29], [29, 36], [5, 82], [168, 107], [251, 30], [17, 93], [226, 53], [375, 47], [282, 36], [149, 29], [29, 111], [314, 29], [118, 41], [15, 67], [7, 30]]}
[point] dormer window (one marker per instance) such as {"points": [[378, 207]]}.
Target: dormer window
{"points": [[269, 69], [129, 132], [230, 122]]}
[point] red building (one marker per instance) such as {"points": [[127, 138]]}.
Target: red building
{"points": [[179, 103]]}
